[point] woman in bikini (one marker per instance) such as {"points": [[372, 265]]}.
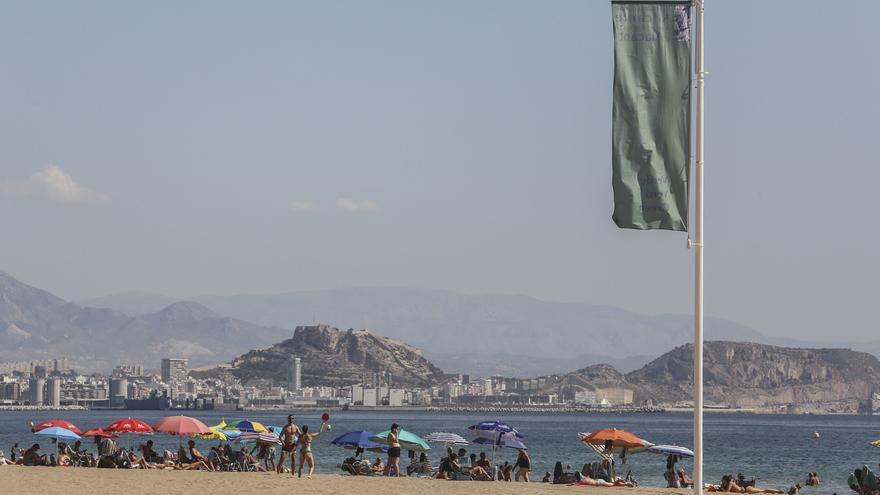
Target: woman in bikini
{"points": [[305, 450], [393, 451], [524, 466]]}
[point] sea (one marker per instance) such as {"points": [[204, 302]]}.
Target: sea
{"points": [[778, 450]]}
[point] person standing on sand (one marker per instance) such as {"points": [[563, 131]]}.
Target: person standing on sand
{"points": [[305, 452], [393, 451], [289, 435], [523, 466]]}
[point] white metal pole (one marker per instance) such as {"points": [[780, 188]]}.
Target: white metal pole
{"points": [[698, 262]]}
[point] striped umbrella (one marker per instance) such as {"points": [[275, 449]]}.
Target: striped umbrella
{"points": [[257, 437], [445, 438]]}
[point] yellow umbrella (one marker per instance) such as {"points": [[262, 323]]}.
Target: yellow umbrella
{"points": [[248, 425], [876, 444], [216, 434]]}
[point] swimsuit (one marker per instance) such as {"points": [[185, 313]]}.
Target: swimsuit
{"points": [[394, 452]]}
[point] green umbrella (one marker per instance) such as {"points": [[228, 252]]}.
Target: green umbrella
{"points": [[407, 440]]}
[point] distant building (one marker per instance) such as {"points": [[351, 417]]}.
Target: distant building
{"points": [[371, 397], [40, 372], [296, 382], [174, 370], [587, 397], [37, 386], [615, 396], [357, 394], [118, 391], [10, 391], [53, 392], [395, 397]]}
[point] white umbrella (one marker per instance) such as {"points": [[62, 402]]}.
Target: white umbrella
{"points": [[445, 438]]}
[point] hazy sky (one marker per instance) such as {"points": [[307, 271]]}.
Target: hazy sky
{"points": [[258, 147]]}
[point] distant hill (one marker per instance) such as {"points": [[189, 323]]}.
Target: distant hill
{"points": [[334, 358], [132, 303], [744, 374], [36, 324]]}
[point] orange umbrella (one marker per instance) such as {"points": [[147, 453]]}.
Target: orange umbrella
{"points": [[181, 425], [619, 438]]}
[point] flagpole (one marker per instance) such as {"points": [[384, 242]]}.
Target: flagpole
{"points": [[698, 262]]}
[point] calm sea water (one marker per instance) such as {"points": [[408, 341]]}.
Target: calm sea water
{"points": [[779, 450]]}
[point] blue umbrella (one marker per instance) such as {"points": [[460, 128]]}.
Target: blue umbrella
{"points": [[490, 429], [58, 433], [359, 440], [497, 434], [671, 450]]}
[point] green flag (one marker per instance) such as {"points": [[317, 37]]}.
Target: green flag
{"points": [[650, 150]]}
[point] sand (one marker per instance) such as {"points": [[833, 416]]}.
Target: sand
{"points": [[67, 481]]}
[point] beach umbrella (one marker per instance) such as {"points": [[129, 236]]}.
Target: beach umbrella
{"points": [[216, 434], [181, 425], [67, 425], [248, 425], [497, 434], [671, 450], [445, 438], [129, 425], [58, 433], [619, 438], [623, 443], [359, 440], [99, 432], [258, 437], [407, 440], [491, 429]]}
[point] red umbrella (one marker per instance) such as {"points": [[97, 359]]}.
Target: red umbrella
{"points": [[181, 425], [129, 425], [99, 432], [52, 423]]}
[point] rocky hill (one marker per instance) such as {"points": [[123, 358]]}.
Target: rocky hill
{"points": [[745, 375], [334, 357], [36, 324]]}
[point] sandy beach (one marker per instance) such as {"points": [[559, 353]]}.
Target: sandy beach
{"points": [[50, 481]]}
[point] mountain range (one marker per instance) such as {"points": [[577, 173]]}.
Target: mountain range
{"points": [[509, 335], [477, 334], [35, 324]]}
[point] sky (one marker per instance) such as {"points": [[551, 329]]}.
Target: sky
{"points": [[193, 148]]}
